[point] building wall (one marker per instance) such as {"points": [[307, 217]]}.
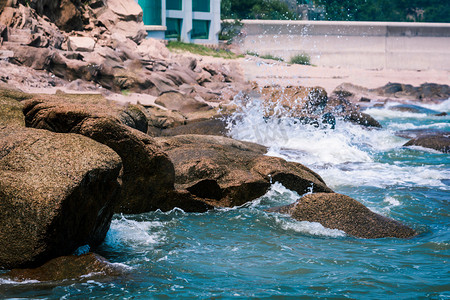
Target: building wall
{"points": [[187, 16], [368, 45]]}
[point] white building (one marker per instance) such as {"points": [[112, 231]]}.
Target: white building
{"points": [[190, 21]]}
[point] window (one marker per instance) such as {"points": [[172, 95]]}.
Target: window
{"points": [[174, 4], [201, 5], [152, 11], [173, 28], [200, 29]]}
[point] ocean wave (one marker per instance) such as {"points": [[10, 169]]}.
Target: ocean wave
{"points": [[305, 227]]}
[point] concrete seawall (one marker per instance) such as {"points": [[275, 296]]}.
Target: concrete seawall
{"points": [[368, 45]]}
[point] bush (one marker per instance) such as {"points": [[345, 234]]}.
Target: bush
{"points": [[270, 56], [301, 59]]}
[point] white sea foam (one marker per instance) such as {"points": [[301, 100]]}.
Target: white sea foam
{"points": [[386, 113], [137, 233], [384, 175], [312, 228], [9, 281], [343, 156], [392, 201], [443, 106]]}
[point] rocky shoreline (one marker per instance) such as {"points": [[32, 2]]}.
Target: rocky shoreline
{"points": [[69, 161]]}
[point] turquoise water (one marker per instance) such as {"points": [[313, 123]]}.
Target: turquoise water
{"points": [[246, 252]]}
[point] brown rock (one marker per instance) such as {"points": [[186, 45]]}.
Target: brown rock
{"points": [[439, 142], [213, 126], [57, 192], [11, 109], [181, 103], [227, 172], [147, 173], [341, 212], [89, 265]]}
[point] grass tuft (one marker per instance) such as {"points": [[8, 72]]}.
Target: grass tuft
{"points": [[301, 59], [201, 50]]}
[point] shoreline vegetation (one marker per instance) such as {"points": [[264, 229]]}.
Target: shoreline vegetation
{"points": [[70, 160]]}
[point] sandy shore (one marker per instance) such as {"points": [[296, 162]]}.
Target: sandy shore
{"points": [[269, 72]]}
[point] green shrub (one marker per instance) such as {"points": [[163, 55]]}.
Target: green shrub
{"points": [[201, 50], [301, 59], [270, 56]]}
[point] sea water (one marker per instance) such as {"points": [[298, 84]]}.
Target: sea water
{"points": [[245, 252]]}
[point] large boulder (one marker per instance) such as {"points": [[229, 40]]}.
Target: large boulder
{"points": [[341, 212], [57, 192], [227, 173], [439, 142], [147, 173], [69, 267]]}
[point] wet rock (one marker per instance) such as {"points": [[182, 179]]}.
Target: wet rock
{"points": [[57, 192], [414, 133], [89, 266], [362, 119], [227, 173], [147, 173], [341, 212], [439, 142], [297, 101], [426, 91], [416, 109]]}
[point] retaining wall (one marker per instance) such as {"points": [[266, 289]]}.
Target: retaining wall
{"points": [[368, 45]]}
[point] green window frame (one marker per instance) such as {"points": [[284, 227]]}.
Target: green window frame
{"points": [[152, 11], [200, 29], [174, 4], [201, 5], [173, 28]]}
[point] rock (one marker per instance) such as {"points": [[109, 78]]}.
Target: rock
{"points": [[153, 48], [215, 126], [296, 101], [81, 44], [227, 173], [181, 103], [439, 142], [11, 109], [147, 174], [416, 109], [57, 192], [362, 119], [126, 10], [88, 265], [124, 17], [413, 133], [426, 91], [337, 211], [159, 119]]}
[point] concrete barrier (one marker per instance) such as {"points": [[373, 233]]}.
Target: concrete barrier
{"points": [[368, 45]]}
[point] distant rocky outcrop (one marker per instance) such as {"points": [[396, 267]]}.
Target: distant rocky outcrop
{"points": [[225, 172], [103, 42], [89, 266], [395, 91], [341, 212]]}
